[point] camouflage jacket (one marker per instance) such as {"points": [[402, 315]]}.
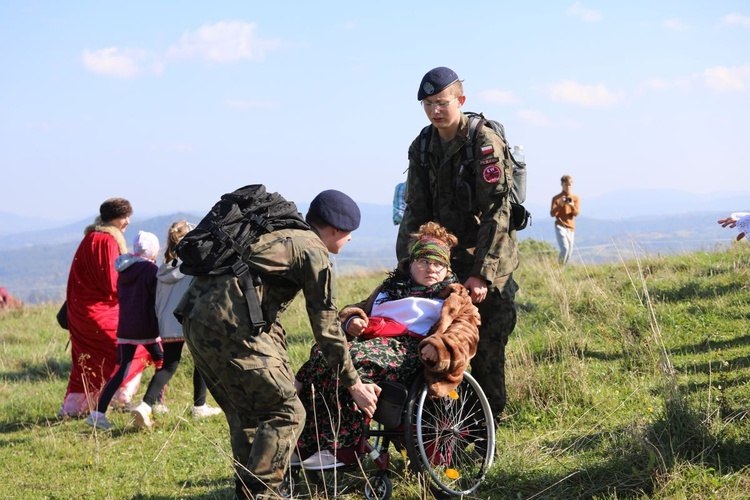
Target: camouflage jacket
{"points": [[289, 260], [472, 202]]}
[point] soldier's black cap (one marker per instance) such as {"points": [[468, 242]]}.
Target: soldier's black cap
{"points": [[336, 209], [435, 81]]}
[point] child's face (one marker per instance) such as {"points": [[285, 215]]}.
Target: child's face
{"points": [[444, 109], [335, 239]]}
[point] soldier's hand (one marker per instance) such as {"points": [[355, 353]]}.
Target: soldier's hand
{"points": [[477, 288], [366, 397], [356, 326]]}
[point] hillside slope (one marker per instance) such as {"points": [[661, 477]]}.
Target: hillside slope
{"points": [[625, 380]]}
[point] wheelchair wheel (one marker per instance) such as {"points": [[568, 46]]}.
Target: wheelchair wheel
{"points": [[378, 487], [289, 484], [450, 440]]}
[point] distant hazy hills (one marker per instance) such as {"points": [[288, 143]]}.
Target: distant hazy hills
{"points": [[35, 254], [34, 264]]}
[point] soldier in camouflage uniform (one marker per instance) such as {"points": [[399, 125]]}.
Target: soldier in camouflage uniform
{"points": [[471, 201], [249, 375]]}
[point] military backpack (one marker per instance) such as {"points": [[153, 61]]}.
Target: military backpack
{"points": [[519, 215], [223, 241]]}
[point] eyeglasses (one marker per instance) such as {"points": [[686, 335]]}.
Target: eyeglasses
{"points": [[437, 105], [425, 264]]}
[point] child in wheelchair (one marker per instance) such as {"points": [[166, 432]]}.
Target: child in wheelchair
{"points": [[420, 318]]}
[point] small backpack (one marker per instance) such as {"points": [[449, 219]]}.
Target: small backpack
{"points": [[520, 216], [222, 242], [399, 203]]}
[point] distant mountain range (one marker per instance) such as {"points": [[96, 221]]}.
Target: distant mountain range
{"points": [[628, 203], [35, 255], [34, 264]]}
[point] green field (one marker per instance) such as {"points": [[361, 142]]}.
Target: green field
{"points": [[626, 380]]}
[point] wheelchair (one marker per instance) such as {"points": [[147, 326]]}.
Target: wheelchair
{"points": [[449, 442]]}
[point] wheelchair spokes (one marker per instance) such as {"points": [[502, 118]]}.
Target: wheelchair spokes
{"points": [[454, 437]]}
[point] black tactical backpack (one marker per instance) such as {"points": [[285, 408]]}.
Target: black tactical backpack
{"points": [[223, 241], [519, 215]]}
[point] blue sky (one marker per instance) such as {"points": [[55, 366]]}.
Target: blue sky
{"points": [[171, 104]]}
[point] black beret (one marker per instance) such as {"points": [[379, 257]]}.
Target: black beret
{"points": [[336, 209], [115, 208], [435, 81]]}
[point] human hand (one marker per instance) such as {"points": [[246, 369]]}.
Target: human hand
{"points": [[356, 326], [740, 220], [728, 222], [365, 396], [429, 353], [477, 287]]}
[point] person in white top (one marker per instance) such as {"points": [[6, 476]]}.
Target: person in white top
{"points": [[740, 220], [170, 286]]}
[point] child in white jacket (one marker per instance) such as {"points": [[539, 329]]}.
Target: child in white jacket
{"points": [[170, 286]]}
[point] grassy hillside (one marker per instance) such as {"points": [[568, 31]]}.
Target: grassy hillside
{"points": [[626, 380]]}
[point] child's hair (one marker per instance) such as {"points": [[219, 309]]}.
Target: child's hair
{"points": [[435, 230], [175, 233], [457, 88], [316, 220]]}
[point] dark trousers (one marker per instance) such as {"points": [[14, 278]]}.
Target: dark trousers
{"points": [[125, 355], [259, 400], [498, 312], [172, 357]]}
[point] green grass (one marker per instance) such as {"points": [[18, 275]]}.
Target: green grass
{"points": [[627, 380]]}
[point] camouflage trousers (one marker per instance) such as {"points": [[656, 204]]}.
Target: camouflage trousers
{"points": [[498, 312], [257, 394]]}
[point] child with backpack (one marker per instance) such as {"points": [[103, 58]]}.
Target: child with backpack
{"points": [[463, 180], [171, 285], [137, 324], [245, 362]]}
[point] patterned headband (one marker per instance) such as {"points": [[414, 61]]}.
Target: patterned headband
{"points": [[431, 248]]}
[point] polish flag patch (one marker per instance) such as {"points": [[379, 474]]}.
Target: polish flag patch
{"points": [[486, 150], [492, 174]]}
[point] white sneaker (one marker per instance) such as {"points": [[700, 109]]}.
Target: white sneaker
{"points": [[99, 420], [159, 409], [321, 460], [205, 411], [142, 415]]}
